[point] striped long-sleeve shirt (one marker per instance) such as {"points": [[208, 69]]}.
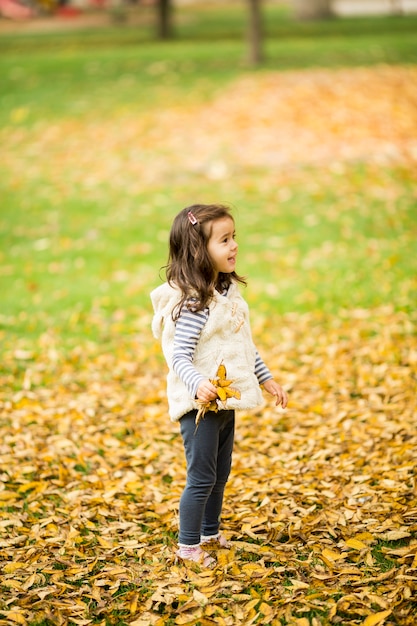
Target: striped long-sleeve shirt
{"points": [[187, 332]]}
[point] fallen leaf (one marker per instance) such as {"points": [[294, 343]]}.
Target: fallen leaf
{"points": [[377, 618]]}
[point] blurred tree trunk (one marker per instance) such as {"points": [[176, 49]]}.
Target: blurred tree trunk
{"points": [[255, 32], [165, 29], [312, 9], [396, 7]]}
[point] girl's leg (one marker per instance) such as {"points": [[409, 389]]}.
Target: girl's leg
{"points": [[211, 519], [202, 452]]}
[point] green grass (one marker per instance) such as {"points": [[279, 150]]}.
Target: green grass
{"points": [[82, 270], [68, 73], [82, 263]]}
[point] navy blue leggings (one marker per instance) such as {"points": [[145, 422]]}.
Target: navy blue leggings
{"points": [[208, 453]]}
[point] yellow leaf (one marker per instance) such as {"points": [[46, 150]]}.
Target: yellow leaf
{"points": [[254, 570], [365, 536], [224, 382], [16, 617], [223, 557], [222, 393], [104, 542], [189, 618], [240, 597], [116, 571], [394, 535], [355, 544], [299, 584], [30, 581], [11, 567], [28, 486], [7, 495], [251, 604], [141, 621], [376, 618], [12, 584], [221, 371], [332, 555], [266, 610], [200, 597], [232, 393]]}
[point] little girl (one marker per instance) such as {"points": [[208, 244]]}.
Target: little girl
{"points": [[203, 321]]}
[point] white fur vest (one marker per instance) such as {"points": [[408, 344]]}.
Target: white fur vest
{"points": [[226, 337]]}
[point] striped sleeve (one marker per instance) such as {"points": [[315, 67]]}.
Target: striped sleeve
{"points": [[187, 333], [262, 373]]}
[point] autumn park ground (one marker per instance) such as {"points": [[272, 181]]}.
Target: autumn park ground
{"points": [[104, 136]]}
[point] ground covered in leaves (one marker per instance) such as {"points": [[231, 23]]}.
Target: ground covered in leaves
{"points": [[272, 120], [321, 508]]}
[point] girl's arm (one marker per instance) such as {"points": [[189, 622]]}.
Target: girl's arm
{"points": [[187, 333], [270, 385], [262, 373]]}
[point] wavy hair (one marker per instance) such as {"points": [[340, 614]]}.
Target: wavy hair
{"points": [[189, 265]]}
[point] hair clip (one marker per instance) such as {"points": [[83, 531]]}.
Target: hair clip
{"points": [[192, 218]]}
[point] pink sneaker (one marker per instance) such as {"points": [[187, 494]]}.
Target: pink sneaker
{"points": [[195, 554]]}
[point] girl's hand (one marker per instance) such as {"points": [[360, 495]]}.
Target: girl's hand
{"points": [[275, 389], [206, 391]]}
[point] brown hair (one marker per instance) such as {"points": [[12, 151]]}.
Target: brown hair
{"points": [[189, 265]]}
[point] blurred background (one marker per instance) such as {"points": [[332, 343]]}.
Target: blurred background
{"points": [[114, 115]]}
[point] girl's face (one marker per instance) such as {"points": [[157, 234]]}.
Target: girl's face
{"points": [[222, 247]]}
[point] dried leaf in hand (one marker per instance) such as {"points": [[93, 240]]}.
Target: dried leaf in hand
{"points": [[224, 391]]}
